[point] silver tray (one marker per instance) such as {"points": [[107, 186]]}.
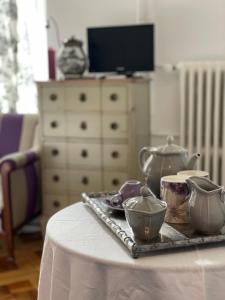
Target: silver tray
{"points": [[171, 236]]}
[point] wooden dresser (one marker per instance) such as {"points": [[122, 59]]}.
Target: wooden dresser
{"points": [[91, 132]]}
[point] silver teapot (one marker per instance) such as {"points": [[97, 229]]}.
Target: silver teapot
{"points": [[162, 161]]}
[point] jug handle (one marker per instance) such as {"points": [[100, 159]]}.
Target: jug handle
{"points": [[189, 187], [223, 200], [143, 155]]}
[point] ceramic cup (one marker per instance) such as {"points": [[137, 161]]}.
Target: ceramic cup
{"points": [[194, 173], [129, 189], [174, 191]]}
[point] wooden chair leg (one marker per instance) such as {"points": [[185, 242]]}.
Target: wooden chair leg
{"points": [[7, 211], [9, 244]]}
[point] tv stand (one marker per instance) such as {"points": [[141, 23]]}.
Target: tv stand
{"points": [[130, 75], [126, 75]]}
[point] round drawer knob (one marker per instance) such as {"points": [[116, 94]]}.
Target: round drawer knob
{"points": [[84, 153], [83, 97], [115, 154], [56, 178], [55, 152], [56, 203], [113, 97], [54, 124], [114, 126], [115, 181], [53, 97], [85, 180], [83, 125]]}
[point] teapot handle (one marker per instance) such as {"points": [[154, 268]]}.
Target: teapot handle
{"points": [[143, 155]]}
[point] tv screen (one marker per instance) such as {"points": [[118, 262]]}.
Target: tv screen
{"points": [[122, 49]]}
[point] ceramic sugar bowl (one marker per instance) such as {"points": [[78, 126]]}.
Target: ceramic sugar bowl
{"points": [[145, 214]]}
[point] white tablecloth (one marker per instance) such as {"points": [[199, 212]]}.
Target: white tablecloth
{"points": [[83, 261]]}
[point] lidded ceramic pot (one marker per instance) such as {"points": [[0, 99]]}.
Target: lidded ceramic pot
{"points": [[72, 60], [162, 161], [145, 214]]}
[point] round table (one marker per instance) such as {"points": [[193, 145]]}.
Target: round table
{"points": [[82, 260]]}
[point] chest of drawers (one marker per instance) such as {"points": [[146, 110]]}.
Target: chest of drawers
{"points": [[91, 132]]}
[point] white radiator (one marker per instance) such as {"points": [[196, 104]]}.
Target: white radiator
{"points": [[202, 128]]}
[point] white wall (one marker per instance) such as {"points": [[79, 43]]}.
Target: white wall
{"points": [[33, 18], [185, 30], [73, 17]]}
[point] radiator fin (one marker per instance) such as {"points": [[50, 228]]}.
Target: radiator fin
{"points": [[202, 127]]}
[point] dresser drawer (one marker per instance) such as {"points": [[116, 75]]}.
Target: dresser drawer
{"points": [[84, 154], [54, 203], [84, 181], [83, 125], [53, 98], [114, 125], [83, 99], [112, 181], [54, 125], [114, 99], [114, 155], [55, 181], [54, 155]]}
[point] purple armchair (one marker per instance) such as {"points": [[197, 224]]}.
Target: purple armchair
{"points": [[19, 171]]}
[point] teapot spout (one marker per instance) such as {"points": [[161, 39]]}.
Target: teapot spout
{"points": [[192, 161]]}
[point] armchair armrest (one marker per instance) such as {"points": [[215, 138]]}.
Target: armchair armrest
{"points": [[19, 159], [21, 184]]}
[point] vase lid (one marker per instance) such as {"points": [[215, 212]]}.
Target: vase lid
{"points": [[72, 41]]}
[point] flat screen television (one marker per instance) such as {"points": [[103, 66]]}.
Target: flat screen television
{"points": [[121, 49]]}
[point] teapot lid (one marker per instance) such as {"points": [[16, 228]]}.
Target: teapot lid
{"points": [[170, 148]]}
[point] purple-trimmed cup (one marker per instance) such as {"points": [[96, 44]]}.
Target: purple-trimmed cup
{"points": [[174, 191], [129, 189]]}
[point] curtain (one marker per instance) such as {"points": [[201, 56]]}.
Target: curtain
{"points": [[8, 55], [27, 92], [17, 87]]}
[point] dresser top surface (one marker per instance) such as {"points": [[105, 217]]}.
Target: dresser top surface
{"points": [[95, 81]]}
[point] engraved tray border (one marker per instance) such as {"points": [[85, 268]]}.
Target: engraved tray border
{"points": [[93, 200]]}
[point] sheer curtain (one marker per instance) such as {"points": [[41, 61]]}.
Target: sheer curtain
{"points": [[27, 93], [8, 55], [23, 53]]}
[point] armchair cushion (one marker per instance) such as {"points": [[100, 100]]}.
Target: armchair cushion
{"points": [[22, 168], [1, 200], [19, 174], [19, 166], [20, 160], [25, 193]]}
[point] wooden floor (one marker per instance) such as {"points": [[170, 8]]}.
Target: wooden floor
{"points": [[19, 281]]}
